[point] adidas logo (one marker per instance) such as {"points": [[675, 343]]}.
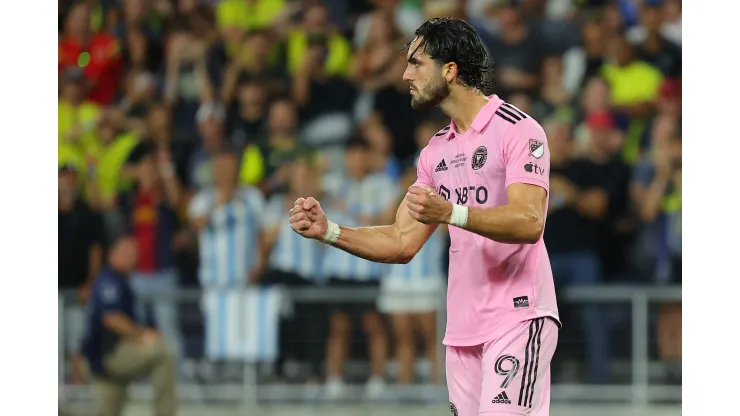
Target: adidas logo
{"points": [[442, 166], [502, 398]]}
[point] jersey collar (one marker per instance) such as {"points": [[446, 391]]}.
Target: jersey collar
{"points": [[482, 119]]}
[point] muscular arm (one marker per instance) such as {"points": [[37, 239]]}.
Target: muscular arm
{"points": [[522, 220], [397, 243]]}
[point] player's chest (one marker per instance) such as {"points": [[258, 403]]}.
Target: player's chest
{"points": [[467, 171]]}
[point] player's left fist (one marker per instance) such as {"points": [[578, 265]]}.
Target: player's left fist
{"points": [[426, 206]]}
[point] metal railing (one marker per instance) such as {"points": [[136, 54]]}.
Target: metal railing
{"points": [[639, 392]]}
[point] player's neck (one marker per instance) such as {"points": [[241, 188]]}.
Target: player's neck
{"points": [[462, 108]]}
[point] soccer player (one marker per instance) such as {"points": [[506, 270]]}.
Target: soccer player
{"points": [[486, 175]]}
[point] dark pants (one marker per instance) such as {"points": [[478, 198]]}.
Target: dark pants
{"points": [[583, 268], [302, 336]]}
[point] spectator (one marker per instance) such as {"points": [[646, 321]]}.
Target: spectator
{"points": [[382, 158], [411, 294], [325, 99], [248, 15], [108, 168], [296, 262], [227, 214], [634, 84], [211, 119], [555, 98], [378, 53], [186, 80], [398, 13], [360, 198], [671, 27], [117, 347], [391, 108], [281, 144], [158, 133], [77, 119], [582, 191], [255, 61], [657, 194], [247, 118], [315, 29], [80, 258], [651, 45], [583, 62], [150, 216], [98, 54], [518, 52]]}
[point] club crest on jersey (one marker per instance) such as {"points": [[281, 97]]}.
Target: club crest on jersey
{"points": [[479, 158], [536, 148]]}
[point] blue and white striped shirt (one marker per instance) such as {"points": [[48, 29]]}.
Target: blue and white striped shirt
{"points": [[292, 253], [425, 271], [229, 244], [350, 200], [342, 265]]}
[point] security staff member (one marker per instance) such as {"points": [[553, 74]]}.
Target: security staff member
{"points": [[116, 347]]}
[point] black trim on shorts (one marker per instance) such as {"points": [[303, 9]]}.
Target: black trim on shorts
{"points": [[531, 362]]}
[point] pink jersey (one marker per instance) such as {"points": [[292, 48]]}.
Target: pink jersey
{"points": [[492, 286]]}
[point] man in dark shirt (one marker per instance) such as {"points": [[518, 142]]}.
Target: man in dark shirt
{"points": [[518, 52], [80, 257], [149, 213], [325, 101], [118, 349], [582, 192]]}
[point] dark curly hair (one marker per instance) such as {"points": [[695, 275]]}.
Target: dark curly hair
{"points": [[446, 39]]}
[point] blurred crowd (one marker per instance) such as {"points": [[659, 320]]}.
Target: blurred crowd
{"points": [[192, 125]]}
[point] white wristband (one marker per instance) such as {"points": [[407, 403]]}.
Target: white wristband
{"points": [[459, 217], [332, 233]]}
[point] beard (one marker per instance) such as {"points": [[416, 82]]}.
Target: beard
{"points": [[431, 96]]}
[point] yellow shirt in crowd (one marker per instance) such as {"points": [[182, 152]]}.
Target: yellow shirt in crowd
{"points": [[632, 84], [247, 14]]}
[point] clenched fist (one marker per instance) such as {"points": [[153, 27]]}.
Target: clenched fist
{"points": [[426, 206], [308, 219]]}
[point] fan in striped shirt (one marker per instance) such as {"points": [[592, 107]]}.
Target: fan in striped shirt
{"points": [[295, 262], [358, 197]]}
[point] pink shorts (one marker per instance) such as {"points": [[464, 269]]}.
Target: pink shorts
{"points": [[507, 376]]}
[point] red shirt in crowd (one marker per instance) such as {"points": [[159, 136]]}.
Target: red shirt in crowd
{"points": [[104, 67], [145, 229]]}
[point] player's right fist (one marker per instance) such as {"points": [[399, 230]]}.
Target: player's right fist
{"points": [[308, 219]]}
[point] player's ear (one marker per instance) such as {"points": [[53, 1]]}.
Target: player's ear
{"points": [[449, 71]]}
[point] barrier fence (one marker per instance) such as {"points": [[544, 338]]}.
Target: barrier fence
{"points": [[250, 388]]}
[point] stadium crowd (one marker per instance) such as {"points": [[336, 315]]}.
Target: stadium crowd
{"points": [[192, 125]]}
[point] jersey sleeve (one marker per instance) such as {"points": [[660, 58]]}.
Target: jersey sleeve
{"points": [[526, 155], [424, 170]]}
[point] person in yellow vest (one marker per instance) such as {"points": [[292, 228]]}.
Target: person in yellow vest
{"points": [[635, 87], [78, 119], [315, 25]]}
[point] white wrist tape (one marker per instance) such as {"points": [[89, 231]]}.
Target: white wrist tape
{"points": [[332, 233], [459, 217]]}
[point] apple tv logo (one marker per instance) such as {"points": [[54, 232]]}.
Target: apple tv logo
{"points": [[530, 167]]}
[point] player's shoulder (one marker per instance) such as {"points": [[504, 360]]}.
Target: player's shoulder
{"points": [[436, 141], [508, 120]]}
